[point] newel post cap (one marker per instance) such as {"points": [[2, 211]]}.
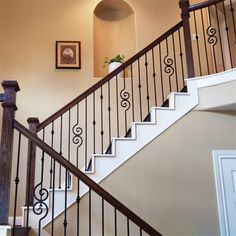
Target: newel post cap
{"points": [[183, 3], [11, 84], [31, 120]]}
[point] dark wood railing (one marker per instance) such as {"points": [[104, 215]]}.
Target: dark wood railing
{"points": [[110, 76], [86, 125], [105, 196]]}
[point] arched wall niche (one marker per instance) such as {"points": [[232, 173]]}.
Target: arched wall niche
{"points": [[114, 32]]}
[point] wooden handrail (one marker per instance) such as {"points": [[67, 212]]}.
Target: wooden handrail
{"points": [[201, 5], [85, 179], [108, 77]]}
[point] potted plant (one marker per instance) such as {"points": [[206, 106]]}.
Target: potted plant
{"points": [[113, 63]]}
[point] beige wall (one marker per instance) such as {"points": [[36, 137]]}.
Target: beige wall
{"points": [[28, 34], [170, 183]]}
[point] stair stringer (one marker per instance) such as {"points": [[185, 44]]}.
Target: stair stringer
{"points": [[123, 149]]}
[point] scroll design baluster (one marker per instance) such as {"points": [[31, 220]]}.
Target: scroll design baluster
{"points": [[211, 32], [77, 138], [212, 40], [125, 101], [169, 69], [41, 194]]}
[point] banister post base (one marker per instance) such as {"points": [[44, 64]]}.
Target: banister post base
{"points": [[184, 5], [33, 123], [7, 135]]}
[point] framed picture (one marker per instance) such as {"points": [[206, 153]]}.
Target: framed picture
{"points": [[68, 55]]}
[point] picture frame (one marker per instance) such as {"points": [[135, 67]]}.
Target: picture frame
{"points": [[68, 55]]}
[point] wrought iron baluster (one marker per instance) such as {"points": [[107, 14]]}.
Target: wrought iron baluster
{"points": [[128, 229], [41, 194], [77, 132], [94, 124], [86, 134], [51, 163], [28, 186], [68, 183], [227, 34], [78, 207], [53, 197], [90, 213], [220, 39], [181, 56], [197, 40], [140, 232], [212, 39], [40, 207], [140, 91], [147, 85], [154, 76], [65, 223], [115, 217], [176, 72], [125, 103], [168, 65], [103, 228], [162, 85], [205, 45], [233, 19], [132, 90], [109, 111], [117, 109], [102, 130], [17, 180], [61, 135]]}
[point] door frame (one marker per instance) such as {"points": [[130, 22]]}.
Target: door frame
{"points": [[218, 156]]}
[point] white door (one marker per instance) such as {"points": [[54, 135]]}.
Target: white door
{"points": [[225, 173]]}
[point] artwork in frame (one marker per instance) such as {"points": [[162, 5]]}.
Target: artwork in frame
{"points": [[68, 55]]}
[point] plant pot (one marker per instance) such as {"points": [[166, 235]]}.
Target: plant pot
{"points": [[112, 66]]}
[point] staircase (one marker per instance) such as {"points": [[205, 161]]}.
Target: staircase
{"points": [[88, 139]]}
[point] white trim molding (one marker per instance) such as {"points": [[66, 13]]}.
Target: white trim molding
{"points": [[218, 156]]}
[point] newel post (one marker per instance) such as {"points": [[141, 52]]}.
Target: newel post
{"points": [[7, 135], [184, 5], [29, 199]]}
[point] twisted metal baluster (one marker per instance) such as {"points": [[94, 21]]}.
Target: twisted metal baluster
{"points": [[125, 103], [169, 69], [77, 138]]}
